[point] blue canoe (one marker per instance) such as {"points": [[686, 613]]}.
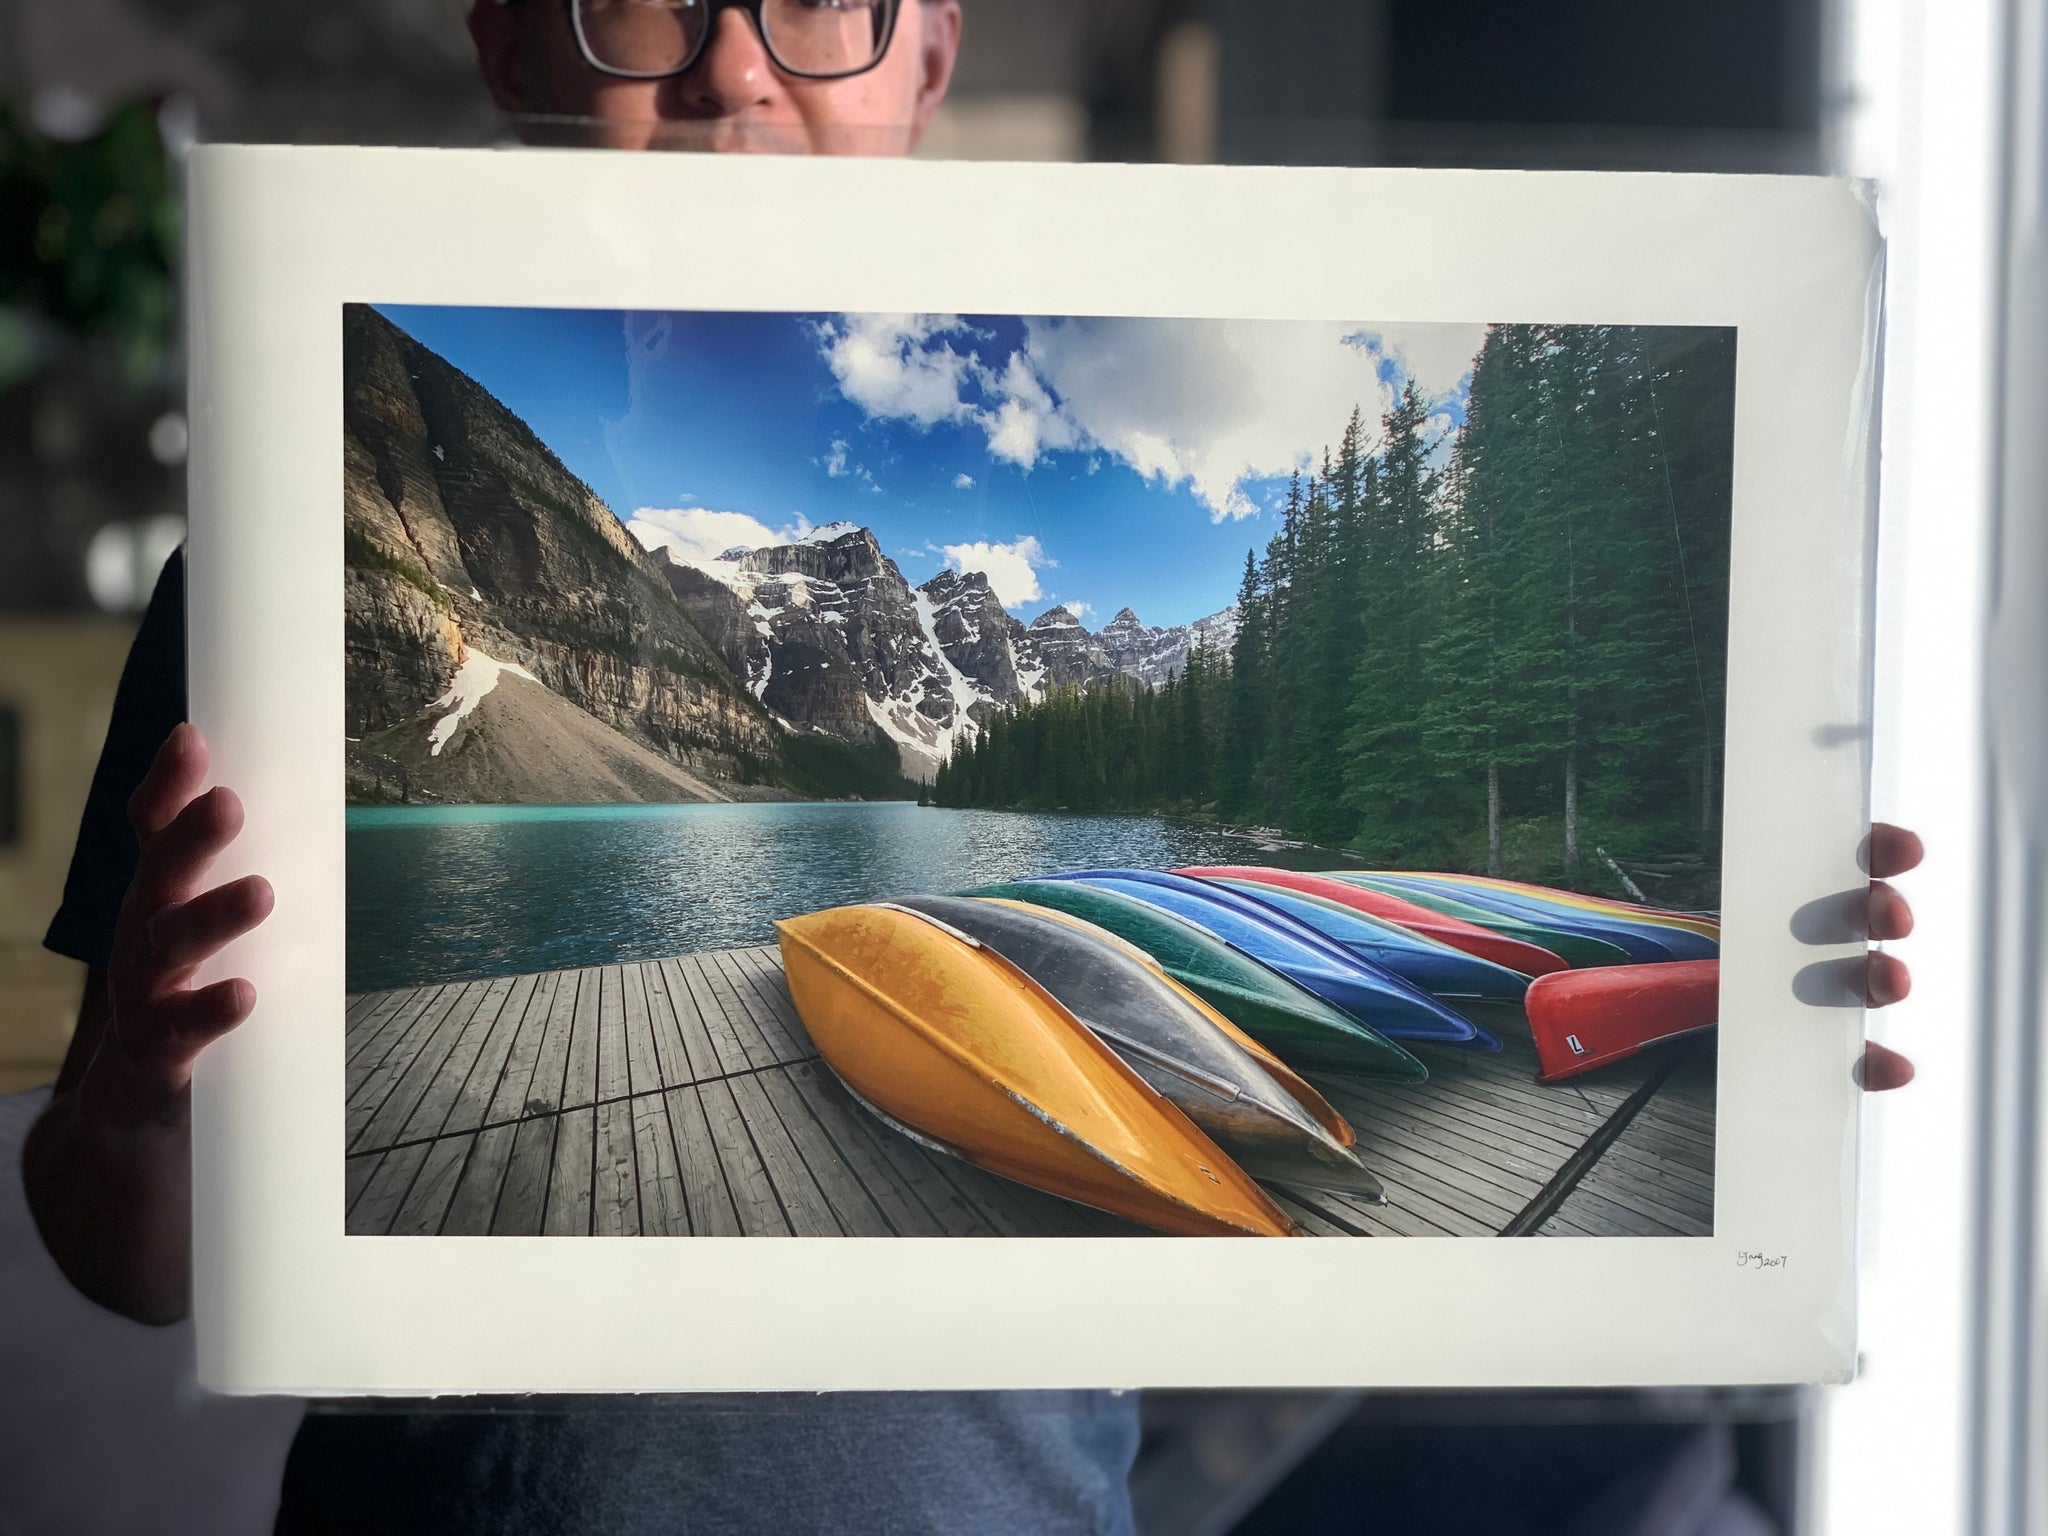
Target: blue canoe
{"points": [[1438, 969], [1649, 943], [1367, 991]]}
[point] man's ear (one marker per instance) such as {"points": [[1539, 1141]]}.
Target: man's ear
{"points": [[938, 48], [494, 29]]}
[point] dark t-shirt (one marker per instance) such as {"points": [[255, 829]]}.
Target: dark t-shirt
{"points": [[965, 1462]]}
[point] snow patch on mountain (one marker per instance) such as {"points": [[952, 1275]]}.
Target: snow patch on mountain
{"points": [[473, 682]]}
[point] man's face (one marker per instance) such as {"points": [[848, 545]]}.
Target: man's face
{"points": [[733, 98]]}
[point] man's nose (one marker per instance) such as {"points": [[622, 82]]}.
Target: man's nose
{"points": [[733, 73]]}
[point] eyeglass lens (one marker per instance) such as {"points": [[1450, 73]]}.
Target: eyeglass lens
{"points": [[806, 37]]}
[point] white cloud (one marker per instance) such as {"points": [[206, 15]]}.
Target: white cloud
{"points": [[1437, 357], [698, 535], [900, 366], [1012, 569], [1212, 405], [838, 465], [963, 482]]}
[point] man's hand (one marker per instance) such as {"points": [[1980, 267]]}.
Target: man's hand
{"points": [[108, 1165], [1893, 851]]}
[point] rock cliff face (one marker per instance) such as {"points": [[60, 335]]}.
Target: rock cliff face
{"points": [[1150, 656], [463, 530], [828, 631], [1069, 654]]}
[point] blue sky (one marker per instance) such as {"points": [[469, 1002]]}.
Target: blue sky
{"points": [[1093, 462]]}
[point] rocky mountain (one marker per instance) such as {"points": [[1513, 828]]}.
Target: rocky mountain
{"points": [[508, 639], [1153, 655], [827, 630], [465, 536]]}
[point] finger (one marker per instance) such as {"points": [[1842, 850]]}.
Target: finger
{"points": [[176, 860], [186, 935], [1890, 916], [160, 1042], [1887, 980], [1893, 850], [188, 1022], [1882, 1069], [173, 779]]}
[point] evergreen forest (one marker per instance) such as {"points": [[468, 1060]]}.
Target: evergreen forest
{"points": [[1497, 661]]}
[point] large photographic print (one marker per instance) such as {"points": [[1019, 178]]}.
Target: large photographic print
{"points": [[937, 775]]}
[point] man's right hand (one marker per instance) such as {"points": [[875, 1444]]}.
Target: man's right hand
{"points": [[108, 1165]]}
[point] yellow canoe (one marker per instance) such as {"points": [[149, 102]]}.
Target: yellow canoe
{"points": [[957, 1046]]}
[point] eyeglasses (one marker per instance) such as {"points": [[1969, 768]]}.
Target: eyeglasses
{"points": [[658, 39]]}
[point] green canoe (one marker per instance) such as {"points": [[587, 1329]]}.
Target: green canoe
{"points": [[1578, 949], [1293, 1023]]}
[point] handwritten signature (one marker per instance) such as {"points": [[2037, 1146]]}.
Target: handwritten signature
{"points": [[1759, 1261]]}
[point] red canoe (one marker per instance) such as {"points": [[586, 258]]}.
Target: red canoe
{"points": [[1454, 931], [1585, 1019]]}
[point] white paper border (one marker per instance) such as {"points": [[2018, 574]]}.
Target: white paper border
{"points": [[282, 238]]}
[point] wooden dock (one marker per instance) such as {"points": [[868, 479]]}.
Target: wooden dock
{"points": [[682, 1097]]}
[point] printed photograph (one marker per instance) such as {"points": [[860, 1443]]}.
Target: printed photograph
{"points": [[984, 775]]}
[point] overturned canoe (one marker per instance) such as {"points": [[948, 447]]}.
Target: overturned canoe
{"points": [[1454, 933], [1443, 972], [1336, 975], [1645, 943], [1705, 924], [1578, 949], [1295, 1024], [1171, 1039], [1586, 1019], [1298, 1087], [955, 1046]]}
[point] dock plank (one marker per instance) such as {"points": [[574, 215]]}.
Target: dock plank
{"points": [[664, 1212], [803, 1202], [480, 1088], [724, 1021], [746, 1174], [846, 1193], [569, 1181], [643, 1060], [579, 1082], [615, 1194], [483, 1176], [371, 1215], [545, 1092], [702, 1056], [614, 1063], [409, 1084], [426, 1203], [706, 1196], [523, 1199], [451, 1077]]}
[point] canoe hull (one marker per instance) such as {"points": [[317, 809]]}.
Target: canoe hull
{"points": [[1171, 1040], [1438, 969], [1579, 949], [1365, 991], [1470, 938], [1294, 1024], [1582, 1020], [949, 1040]]}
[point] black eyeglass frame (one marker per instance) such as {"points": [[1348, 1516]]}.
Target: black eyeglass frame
{"points": [[753, 8]]}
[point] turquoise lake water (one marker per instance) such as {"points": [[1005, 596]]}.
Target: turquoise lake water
{"points": [[451, 893]]}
